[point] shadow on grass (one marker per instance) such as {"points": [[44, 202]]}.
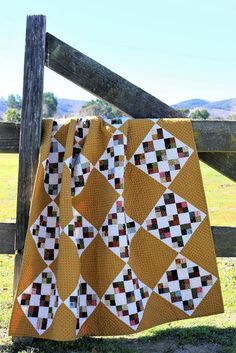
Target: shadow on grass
{"points": [[152, 340]]}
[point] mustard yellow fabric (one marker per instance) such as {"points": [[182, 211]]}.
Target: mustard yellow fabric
{"points": [[119, 238]]}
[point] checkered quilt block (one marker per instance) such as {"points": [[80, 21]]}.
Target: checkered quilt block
{"points": [[80, 231], [116, 122], [185, 284], [82, 129], [173, 220], [112, 163], [46, 232], [161, 155], [126, 297], [53, 166], [80, 168], [118, 230], [40, 301], [82, 302]]}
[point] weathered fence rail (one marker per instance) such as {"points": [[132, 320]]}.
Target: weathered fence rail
{"points": [[210, 136], [224, 239], [7, 238], [102, 82]]}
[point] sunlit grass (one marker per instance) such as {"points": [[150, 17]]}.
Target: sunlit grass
{"points": [[8, 186], [221, 197]]}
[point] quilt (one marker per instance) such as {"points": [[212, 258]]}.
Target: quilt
{"points": [[119, 238]]}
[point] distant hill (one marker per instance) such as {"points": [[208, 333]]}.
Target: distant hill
{"points": [[227, 104], [217, 109], [190, 104], [65, 106], [69, 106]]}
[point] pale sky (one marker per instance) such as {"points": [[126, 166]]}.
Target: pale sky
{"points": [[174, 49]]}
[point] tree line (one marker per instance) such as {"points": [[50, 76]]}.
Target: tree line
{"points": [[14, 106], [102, 108], [200, 114], [196, 114], [92, 107], [50, 104]]}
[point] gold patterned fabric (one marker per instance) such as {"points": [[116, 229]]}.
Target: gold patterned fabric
{"points": [[119, 238]]}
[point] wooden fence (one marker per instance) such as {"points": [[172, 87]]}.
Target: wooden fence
{"points": [[215, 140]]}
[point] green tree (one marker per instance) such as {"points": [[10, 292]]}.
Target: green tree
{"points": [[184, 112], [14, 102], [101, 108], [49, 104], [13, 115], [200, 114]]}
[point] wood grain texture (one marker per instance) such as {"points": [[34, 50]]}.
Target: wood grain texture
{"points": [[30, 133], [224, 239], [215, 135], [9, 137], [102, 82], [210, 136], [223, 162], [7, 238]]}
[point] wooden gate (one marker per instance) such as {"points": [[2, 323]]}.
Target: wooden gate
{"points": [[215, 140]]}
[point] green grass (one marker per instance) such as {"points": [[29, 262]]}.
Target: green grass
{"points": [[221, 197], [216, 333], [8, 186]]}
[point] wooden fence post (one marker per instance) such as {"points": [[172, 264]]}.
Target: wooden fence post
{"points": [[30, 134]]}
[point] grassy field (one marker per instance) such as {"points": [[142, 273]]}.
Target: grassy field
{"points": [[215, 333]]}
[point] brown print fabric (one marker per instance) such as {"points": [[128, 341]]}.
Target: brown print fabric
{"points": [[119, 238]]}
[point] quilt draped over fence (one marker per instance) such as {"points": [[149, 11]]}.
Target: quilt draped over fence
{"points": [[119, 238]]}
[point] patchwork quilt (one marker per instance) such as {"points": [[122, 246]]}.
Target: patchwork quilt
{"points": [[119, 238]]}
